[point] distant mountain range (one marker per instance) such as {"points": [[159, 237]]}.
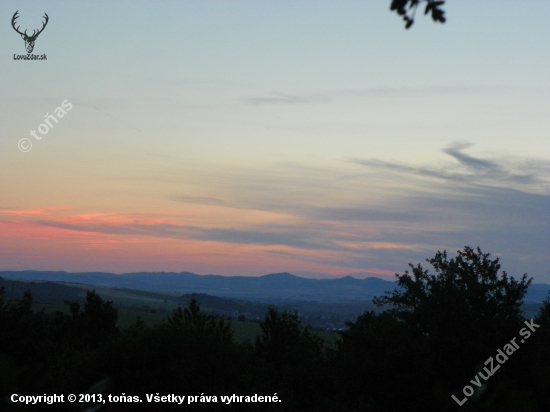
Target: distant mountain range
{"points": [[272, 287], [275, 287]]}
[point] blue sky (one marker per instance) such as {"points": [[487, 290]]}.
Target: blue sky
{"points": [[249, 137]]}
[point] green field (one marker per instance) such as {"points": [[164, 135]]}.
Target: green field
{"points": [[153, 308], [242, 330]]}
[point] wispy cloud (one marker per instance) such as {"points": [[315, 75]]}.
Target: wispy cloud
{"points": [[474, 171], [330, 95], [281, 98], [363, 213], [198, 199], [455, 150]]}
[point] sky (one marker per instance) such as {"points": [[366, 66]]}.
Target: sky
{"points": [[247, 137]]}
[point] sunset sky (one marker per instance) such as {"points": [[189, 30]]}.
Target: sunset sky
{"points": [[319, 138]]}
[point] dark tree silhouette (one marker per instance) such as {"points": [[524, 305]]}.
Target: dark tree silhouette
{"points": [[194, 319], [435, 336], [378, 357], [190, 354], [283, 341], [290, 359], [539, 369], [95, 322], [407, 9], [464, 312]]}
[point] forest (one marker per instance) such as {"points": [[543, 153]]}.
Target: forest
{"points": [[454, 338]]}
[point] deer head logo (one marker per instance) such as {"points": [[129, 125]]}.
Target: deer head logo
{"points": [[29, 40]]}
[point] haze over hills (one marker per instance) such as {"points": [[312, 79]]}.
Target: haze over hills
{"points": [[272, 287]]}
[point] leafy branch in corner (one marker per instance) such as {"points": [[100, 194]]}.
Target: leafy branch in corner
{"points": [[407, 9]]}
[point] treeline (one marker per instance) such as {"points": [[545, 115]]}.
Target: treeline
{"points": [[434, 341]]}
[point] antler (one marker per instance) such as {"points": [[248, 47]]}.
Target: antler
{"points": [[15, 16], [34, 33], [43, 26]]}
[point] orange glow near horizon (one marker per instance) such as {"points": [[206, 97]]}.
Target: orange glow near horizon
{"points": [[41, 238]]}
